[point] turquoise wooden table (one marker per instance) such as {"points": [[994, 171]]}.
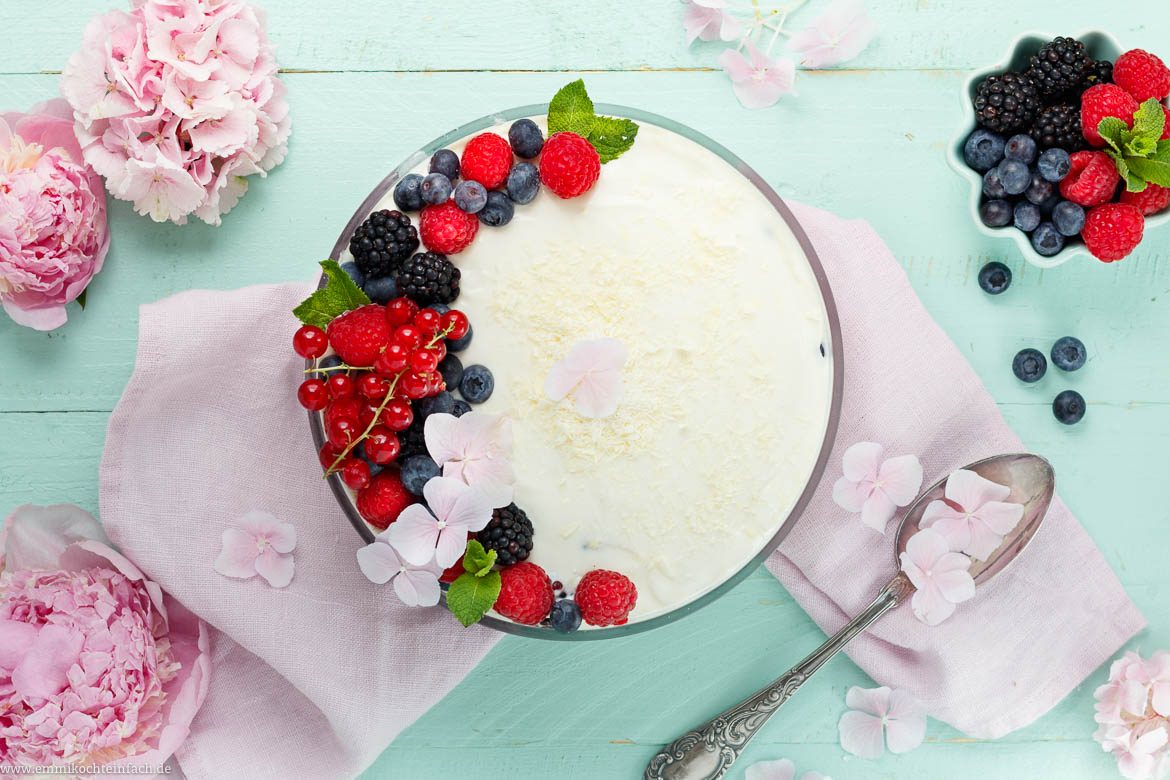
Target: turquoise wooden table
{"points": [[370, 80]]}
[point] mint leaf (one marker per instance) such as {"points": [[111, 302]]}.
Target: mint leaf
{"points": [[571, 109], [81, 298], [477, 560], [1149, 120], [1133, 183], [339, 295], [1153, 171], [470, 597], [1163, 152], [612, 136], [1113, 130]]}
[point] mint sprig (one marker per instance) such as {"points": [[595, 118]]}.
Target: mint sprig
{"points": [[339, 295], [572, 110], [1141, 156], [474, 591]]}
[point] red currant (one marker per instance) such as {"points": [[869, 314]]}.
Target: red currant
{"points": [[310, 342], [398, 415], [312, 395], [435, 383], [340, 386], [341, 432], [428, 321], [423, 360], [355, 472], [328, 454], [366, 418], [414, 385], [455, 324], [401, 311], [344, 409], [373, 386], [393, 360], [382, 445], [408, 336]]}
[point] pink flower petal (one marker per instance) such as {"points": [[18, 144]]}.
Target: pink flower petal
{"points": [[1160, 699], [926, 547], [493, 477], [417, 588], [1000, 517], [43, 672], [877, 511], [861, 734], [706, 20], [900, 478], [15, 640], [378, 562], [37, 535], [766, 80], [953, 579], [598, 394], [930, 607], [277, 569], [781, 769], [862, 461], [415, 534], [850, 495], [873, 701], [905, 723], [956, 530], [971, 491], [591, 374], [451, 545], [982, 541], [839, 35], [735, 65], [442, 435], [470, 512], [238, 556]]}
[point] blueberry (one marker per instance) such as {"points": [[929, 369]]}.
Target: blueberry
{"points": [[1021, 147], [470, 196], [458, 345], [1048, 206], [1014, 175], [461, 407], [1069, 218], [441, 308], [1054, 164], [1027, 216], [565, 616], [445, 162], [1069, 353], [408, 192], [994, 278], [478, 384], [1039, 190], [452, 370], [417, 471], [436, 189], [498, 211], [523, 182], [983, 150], [329, 361], [375, 468], [526, 138], [1047, 240], [442, 403], [355, 273], [382, 290], [1069, 407], [1029, 365], [993, 185], [996, 213]]}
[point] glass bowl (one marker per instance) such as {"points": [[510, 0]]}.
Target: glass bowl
{"points": [[832, 346]]}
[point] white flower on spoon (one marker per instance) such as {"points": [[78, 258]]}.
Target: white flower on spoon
{"points": [[974, 518], [941, 577]]}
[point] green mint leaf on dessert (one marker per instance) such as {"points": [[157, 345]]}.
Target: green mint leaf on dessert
{"points": [[477, 560], [339, 295], [612, 136], [571, 110], [1112, 130], [1152, 170], [1149, 120], [470, 597], [1133, 183]]}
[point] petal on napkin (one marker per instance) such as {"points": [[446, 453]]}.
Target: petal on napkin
{"points": [[238, 556], [415, 533], [900, 478], [862, 461], [417, 588], [861, 734], [378, 562], [274, 567], [849, 495], [877, 511]]}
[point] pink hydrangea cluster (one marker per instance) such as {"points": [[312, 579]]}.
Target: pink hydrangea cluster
{"points": [[53, 231], [1133, 712], [177, 102]]}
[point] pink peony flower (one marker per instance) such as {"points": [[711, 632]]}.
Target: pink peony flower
{"points": [[53, 232], [758, 80], [876, 487], [1133, 712], [879, 718], [177, 102], [97, 665]]}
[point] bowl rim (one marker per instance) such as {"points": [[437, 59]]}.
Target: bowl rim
{"points": [[834, 348], [1096, 40]]}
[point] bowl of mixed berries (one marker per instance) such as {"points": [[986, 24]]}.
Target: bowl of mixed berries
{"points": [[1066, 144]]}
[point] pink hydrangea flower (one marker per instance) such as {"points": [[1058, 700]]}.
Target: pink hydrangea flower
{"points": [[415, 586], [53, 231], [708, 20], [176, 103], [437, 531], [261, 545], [475, 449], [879, 718], [781, 769], [592, 375], [876, 487], [974, 517], [758, 80], [97, 665], [1133, 713], [838, 35], [941, 577]]}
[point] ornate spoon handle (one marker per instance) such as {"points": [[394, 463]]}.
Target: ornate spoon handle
{"points": [[708, 751]]}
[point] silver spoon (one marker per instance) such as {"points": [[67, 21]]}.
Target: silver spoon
{"points": [[708, 751]]}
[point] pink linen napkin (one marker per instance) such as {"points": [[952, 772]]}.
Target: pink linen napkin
{"points": [[316, 679]]}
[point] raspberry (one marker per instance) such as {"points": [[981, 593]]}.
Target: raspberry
{"points": [[1112, 231], [1142, 75], [487, 159], [359, 336], [605, 597], [526, 595], [383, 500], [1101, 101], [569, 165], [1166, 127], [1149, 201], [446, 228], [1091, 180]]}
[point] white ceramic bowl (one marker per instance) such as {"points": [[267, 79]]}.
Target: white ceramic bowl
{"points": [[1101, 46]]}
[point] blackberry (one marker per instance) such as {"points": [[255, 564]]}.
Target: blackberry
{"points": [[1100, 72], [1006, 103], [382, 243], [1059, 126], [411, 441], [429, 277], [1059, 66], [509, 533]]}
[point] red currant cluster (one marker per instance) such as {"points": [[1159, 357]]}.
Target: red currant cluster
{"points": [[366, 405]]}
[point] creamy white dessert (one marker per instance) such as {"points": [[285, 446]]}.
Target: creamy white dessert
{"points": [[727, 388]]}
